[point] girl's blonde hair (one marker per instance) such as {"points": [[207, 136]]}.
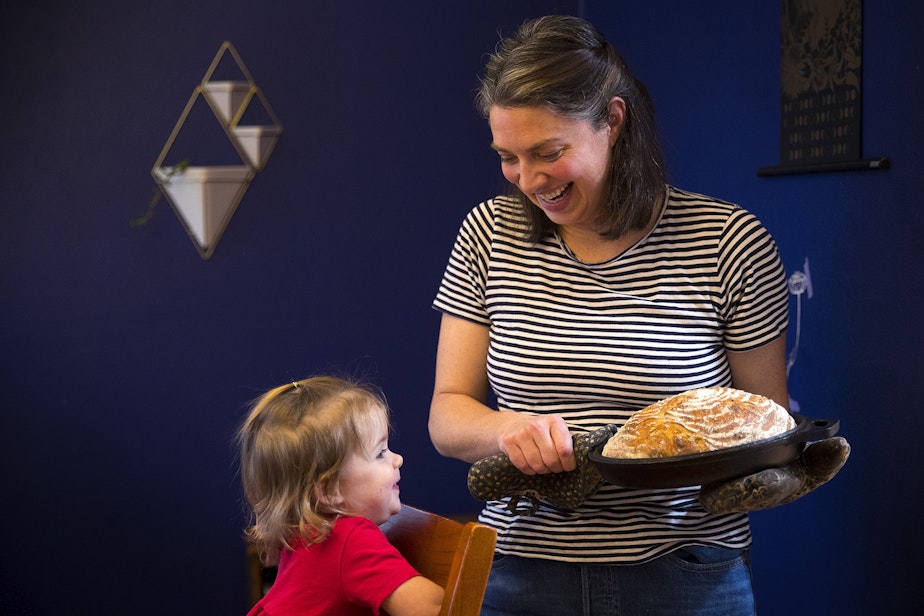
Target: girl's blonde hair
{"points": [[293, 444]]}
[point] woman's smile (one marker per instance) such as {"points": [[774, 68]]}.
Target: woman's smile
{"points": [[555, 200]]}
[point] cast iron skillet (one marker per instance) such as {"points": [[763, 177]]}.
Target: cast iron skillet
{"points": [[701, 468]]}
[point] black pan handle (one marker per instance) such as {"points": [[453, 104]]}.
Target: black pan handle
{"points": [[812, 429]]}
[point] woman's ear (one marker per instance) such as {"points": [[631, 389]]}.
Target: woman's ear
{"points": [[616, 119]]}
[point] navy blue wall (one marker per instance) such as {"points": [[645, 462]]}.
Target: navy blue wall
{"points": [[714, 70], [128, 360]]}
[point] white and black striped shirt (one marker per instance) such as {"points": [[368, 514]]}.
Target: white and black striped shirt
{"points": [[596, 342]]}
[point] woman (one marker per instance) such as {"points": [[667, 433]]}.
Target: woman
{"points": [[591, 291]]}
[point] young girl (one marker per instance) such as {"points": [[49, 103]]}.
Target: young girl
{"points": [[317, 471]]}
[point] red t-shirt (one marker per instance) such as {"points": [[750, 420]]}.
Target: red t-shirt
{"points": [[351, 572]]}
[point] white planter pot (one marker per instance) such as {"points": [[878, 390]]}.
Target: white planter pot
{"points": [[256, 142], [205, 199], [228, 97]]}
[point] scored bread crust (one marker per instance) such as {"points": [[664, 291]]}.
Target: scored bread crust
{"points": [[696, 421]]}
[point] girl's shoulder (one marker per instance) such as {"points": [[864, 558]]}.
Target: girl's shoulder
{"points": [[347, 524]]}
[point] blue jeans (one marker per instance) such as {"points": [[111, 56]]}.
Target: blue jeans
{"points": [[691, 581]]}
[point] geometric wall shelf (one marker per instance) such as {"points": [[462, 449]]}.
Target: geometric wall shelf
{"points": [[205, 196]]}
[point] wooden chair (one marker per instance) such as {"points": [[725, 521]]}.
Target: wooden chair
{"points": [[456, 556]]}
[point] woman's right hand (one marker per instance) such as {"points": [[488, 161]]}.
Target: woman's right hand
{"points": [[462, 426], [538, 444]]}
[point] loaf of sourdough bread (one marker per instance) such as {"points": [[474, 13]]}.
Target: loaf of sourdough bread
{"points": [[696, 421]]}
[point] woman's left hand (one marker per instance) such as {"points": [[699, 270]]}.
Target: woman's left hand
{"points": [[818, 464]]}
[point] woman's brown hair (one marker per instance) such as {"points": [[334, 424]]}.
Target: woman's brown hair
{"points": [[564, 64]]}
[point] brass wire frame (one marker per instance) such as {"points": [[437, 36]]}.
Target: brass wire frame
{"points": [[253, 167]]}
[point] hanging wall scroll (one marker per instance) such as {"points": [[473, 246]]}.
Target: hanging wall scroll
{"points": [[821, 89]]}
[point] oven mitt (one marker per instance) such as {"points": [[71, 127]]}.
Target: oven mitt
{"points": [[819, 462], [496, 478]]}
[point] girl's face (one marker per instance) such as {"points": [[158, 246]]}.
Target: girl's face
{"points": [[368, 485], [560, 164]]}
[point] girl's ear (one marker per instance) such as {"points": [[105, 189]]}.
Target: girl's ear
{"points": [[328, 495]]}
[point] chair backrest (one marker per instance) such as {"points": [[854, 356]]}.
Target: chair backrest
{"points": [[456, 556]]}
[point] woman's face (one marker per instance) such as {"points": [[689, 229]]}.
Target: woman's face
{"points": [[368, 484], [560, 164]]}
